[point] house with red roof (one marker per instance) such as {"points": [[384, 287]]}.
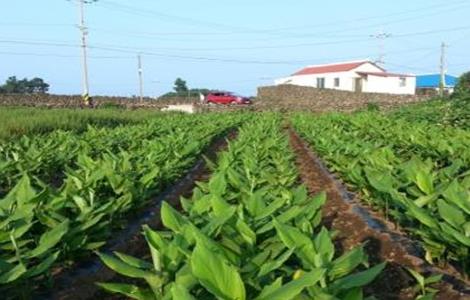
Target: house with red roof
{"points": [[355, 76]]}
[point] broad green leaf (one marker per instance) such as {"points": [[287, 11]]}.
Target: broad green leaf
{"points": [[124, 268], [347, 262], [293, 288], [381, 181], [294, 238], [218, 184], [275, 263], [358, 279], [180, 292], [245, 231], [324, 245], [171, 218], [271, 288], [133, 261], [43, 266], [216, 274], [450, 214], [424, 181], [49, 239], [12, 274], [128, 290]]}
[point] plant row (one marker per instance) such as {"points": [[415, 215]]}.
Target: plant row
{"points": [[419, 174], [47, 158], [17, 121], [249, 232], [112, 173]]}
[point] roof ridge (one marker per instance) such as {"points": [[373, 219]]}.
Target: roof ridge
{"points": [[340, 63]]}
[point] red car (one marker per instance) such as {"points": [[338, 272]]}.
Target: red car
{"points": [[226, 98]]}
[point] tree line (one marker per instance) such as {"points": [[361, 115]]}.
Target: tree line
{"points": [[24, 86]]}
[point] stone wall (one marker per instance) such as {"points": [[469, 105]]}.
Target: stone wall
{"points": [[74, 101], [292, 97]]}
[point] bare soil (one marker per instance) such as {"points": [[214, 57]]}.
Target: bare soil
{"points": [[358, 224], [79, 281]]}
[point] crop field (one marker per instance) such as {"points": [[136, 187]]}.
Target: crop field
{"points": [[368, 205]]}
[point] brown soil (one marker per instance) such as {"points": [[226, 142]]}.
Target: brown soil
{"points": [[357, 224], [79, 281]]}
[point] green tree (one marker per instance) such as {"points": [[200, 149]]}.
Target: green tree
{"points": [[462, 88], [180, 86], [14, 86]]}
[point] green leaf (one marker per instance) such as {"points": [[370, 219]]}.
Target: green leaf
{"points": [[275, 263], [179, 292], [347, 262], [12, 274], [129, 290], [217, 184], [380, 180], [216, 274], [245, 231], [133, 261], [123, 268], [358, 279], [171, 218], [49, 239], [294, 287], [424, 181], [353, 294], [271, 288], [43, 266], [294, 238], [324, 245], [451, 214], [418, 277]]}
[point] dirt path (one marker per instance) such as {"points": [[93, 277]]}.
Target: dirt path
{"points": [[357, 224], [79, 282]]}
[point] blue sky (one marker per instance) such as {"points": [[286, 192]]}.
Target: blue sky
{"points": [[233, 45]]}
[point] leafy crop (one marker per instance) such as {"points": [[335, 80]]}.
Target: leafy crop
{"points": [[63, 194], [249, 232], [418, 173]]}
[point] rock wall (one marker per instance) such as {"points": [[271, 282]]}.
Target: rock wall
{"points": [[292, 97], [74, 101]]}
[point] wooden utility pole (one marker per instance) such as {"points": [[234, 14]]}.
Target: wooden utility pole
{"points": [[442, 82], [141, 82]]}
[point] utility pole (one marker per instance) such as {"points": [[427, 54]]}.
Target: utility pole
{"points": [[442, 67], [141, 82], [381, 36], [84, 32]]}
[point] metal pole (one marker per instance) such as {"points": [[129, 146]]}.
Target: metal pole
{"points": [[141, 82], [381, 36], [442, 83], [84, 31]]}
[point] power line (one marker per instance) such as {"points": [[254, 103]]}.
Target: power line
{"points": [[56, 55]]}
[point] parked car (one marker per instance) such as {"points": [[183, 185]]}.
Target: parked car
{"points": [[226, 98]]}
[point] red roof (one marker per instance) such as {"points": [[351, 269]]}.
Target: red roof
{"points": [[384, 74], [332, 68]]}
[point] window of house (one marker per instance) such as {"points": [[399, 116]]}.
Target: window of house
{"points": [[402, 81], [336, 83], [321, 82]]}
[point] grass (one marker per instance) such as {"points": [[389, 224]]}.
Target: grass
{"points": [[17, 121]]}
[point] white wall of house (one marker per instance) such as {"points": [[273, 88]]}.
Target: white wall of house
{"points": [[346, 81], [390, 84]]}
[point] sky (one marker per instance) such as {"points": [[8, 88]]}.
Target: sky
{"points": [[234, 45]]}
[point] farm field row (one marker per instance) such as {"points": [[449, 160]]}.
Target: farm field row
{"points": [[251, 230], [417, 173], [63, 194], [17, 121]]}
